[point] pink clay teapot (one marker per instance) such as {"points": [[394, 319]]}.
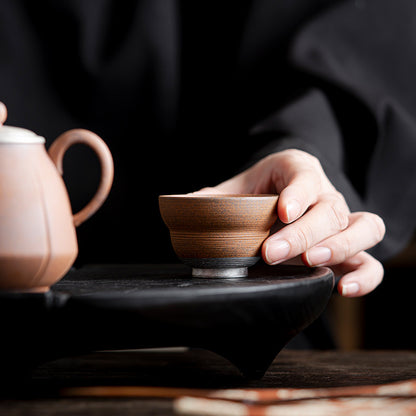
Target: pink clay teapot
{"points": [[38, 243]]}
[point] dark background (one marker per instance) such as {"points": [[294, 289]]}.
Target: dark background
{"points": [[174, 89]]}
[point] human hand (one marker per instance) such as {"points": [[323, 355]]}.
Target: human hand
{"points": [[3, 113], [319, 225]]}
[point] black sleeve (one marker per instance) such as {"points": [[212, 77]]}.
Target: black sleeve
{"points": [[359, 115]]}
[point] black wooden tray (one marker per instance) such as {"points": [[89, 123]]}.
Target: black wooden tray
{"points": [[108, 307]]}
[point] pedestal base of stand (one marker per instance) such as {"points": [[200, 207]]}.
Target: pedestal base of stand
{"points": [[114, 307]]}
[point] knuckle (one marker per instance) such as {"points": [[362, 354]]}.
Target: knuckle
{"points": [[287, 159], [342, 249], [380, 227], [338, 214], [380, 271], [376, 224], [297, 155], [293, 153], [303, 161], [338, 195], [369, 272], [377, 271], [302, 240], [314, 161]]}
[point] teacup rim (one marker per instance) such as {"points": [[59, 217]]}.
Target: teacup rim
{"points": [[216, 196]]}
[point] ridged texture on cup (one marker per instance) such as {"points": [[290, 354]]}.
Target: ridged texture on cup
{"points": [[218, 226]]}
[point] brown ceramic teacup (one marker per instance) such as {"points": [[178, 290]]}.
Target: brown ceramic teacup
{"points": [[218, 235]]}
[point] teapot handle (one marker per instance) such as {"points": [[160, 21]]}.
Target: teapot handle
{"points": [[60, 146]]}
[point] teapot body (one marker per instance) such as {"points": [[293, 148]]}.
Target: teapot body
{"points": [[38, 242]]}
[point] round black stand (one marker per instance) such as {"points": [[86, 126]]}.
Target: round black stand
{"points": [[105, 307]]}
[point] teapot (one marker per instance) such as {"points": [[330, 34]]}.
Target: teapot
{"points": [[38, 242]]}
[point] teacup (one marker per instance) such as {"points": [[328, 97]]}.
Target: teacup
{"points": [[218, 235]]}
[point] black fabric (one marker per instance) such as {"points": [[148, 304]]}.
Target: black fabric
{"points": [[186, 93]]}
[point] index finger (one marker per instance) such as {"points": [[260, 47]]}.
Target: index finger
{"points": [[301, 183]]}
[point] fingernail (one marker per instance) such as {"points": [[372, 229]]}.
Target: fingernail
{"points": [[317, 256], [277, 251], [292, 210], [350, 289]]}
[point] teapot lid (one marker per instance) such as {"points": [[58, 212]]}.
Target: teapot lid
{"points": [[11, 134]]}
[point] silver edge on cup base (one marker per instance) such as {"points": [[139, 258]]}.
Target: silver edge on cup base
{"points": [[227, 273], [226, 267]]}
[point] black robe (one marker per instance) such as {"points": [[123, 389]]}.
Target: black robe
{"points": [[188, 93]]}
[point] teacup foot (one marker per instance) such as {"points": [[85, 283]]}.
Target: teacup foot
{"points": [[226, 267], [227, 273]]}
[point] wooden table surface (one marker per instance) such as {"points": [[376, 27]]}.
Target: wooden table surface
{"points": [[41, 394]]}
